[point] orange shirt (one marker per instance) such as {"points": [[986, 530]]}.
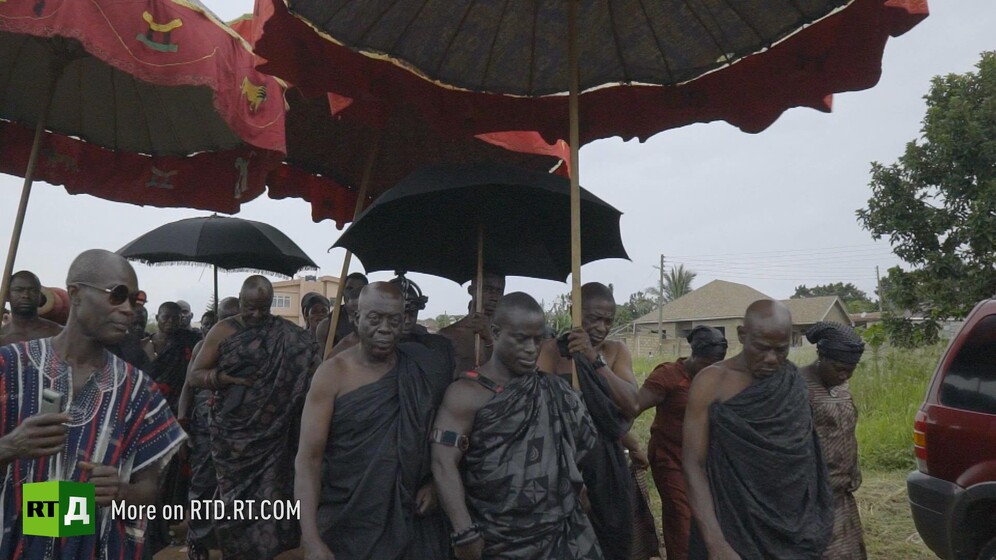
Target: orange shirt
{"points": [[670, 381]]}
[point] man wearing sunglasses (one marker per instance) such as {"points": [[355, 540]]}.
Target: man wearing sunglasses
{"points": [[114, 429], [25, 298]]}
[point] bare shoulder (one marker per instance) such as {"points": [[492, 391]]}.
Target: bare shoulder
{"points": [[549, 346], [51, 327], [223, 329], [465, 397], [327, 376], [549, 356], [707, 383], [615, 349], [719, 382]]}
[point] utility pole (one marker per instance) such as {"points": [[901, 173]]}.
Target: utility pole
{"points": [[881, 296], [660, 309]]}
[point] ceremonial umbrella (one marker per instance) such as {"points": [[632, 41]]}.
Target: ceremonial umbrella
{"points": [[340, 150], [644, 67], [455, 220], [149, 102], [231, 244]]}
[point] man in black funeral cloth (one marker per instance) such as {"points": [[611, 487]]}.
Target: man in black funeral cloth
{"points": [[259, 366], [367, 415], [609, 390], [757, 484], [507, 443]]}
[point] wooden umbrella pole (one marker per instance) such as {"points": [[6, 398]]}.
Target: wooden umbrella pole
{"points": [[360, 199], [573, 55], [479, 291], [29, 178]]}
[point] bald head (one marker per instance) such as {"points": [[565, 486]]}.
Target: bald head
{"points": [[518, 328], [27, 277], [99, 266], [170, 306], [766, 336], [596, 291], [513, 304], [255, 284], [379, 319], [769, 314], [255, 300], [228, 307], [380, 291]]}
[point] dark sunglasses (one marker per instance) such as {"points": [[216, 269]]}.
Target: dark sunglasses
{"points": [[119, 294]]}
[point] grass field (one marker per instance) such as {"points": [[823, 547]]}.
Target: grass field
{"points": [[887, 391]]}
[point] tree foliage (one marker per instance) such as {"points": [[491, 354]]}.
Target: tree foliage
{"points": [[558, 315], [937, 203], [855, 299], [677, 282]]}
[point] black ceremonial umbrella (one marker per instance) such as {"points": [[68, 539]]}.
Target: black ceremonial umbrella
{"points": [[226, 243], [451, 220]]}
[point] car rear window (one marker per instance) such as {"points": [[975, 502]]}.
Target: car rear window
{"points": [[970, 382]]}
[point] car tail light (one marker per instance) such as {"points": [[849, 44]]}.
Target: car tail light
{"points": [[920, 441]]}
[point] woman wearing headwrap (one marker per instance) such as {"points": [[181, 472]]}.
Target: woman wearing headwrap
{"points": [[315, 308], [839, 350]]}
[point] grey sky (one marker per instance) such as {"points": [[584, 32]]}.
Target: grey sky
{"points": [[770, 210]]}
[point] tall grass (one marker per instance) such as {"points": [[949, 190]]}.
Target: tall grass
{"points": [[887, 390]]}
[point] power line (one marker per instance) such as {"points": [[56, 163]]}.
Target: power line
{"points": [[843, 248]]}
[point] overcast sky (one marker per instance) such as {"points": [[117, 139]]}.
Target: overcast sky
{"points": [[770, 210]]}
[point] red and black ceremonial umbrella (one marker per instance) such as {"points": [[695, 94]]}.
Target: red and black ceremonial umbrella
{"points": [[587, 69], [340, 151], [331, 140], [151, 102]]}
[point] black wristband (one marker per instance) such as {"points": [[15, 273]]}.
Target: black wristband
{"points": [[466, 536]]}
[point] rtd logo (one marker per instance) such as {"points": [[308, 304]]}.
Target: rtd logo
{"points": [[57, 509]]}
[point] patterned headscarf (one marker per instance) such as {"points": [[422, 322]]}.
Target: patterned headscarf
{"points": [[836, 341], [703, 337]]}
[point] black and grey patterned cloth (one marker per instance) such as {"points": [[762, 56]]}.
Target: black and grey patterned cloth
{"points": [[769, 483], [254, 431], [521, 473]]}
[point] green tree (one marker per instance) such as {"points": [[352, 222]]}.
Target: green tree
{"points": [[937, 203], [677, 282], [855, 299], [444, 320], [558, 315]]}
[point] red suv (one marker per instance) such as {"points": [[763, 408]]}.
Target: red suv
{"points": [[953, 491]]}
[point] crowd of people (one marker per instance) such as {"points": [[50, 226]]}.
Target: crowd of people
{"points": [[493, 438]]}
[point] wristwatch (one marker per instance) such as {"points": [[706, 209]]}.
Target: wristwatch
{"points": [[600, 361]]}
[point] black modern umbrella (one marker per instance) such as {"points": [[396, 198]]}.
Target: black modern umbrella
{"points": [[437, 219], [455, 220], [228, 243]]}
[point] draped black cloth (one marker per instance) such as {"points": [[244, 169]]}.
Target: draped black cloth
{"points": [[169, 371], [376, 459], [605, 470], [169, 368], [521, 474], [203, 478], [254, 431], [766, 472]]}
